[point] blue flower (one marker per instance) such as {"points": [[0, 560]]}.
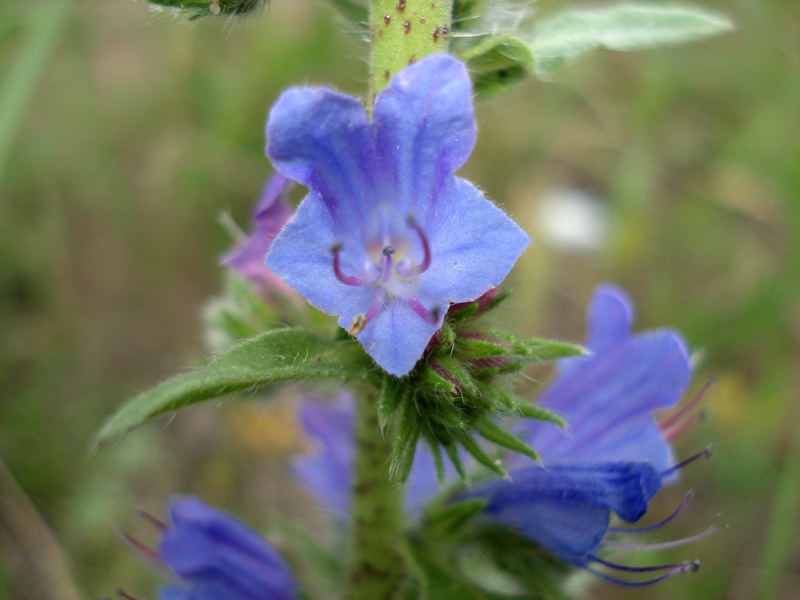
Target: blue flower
{"points": [[614, 456], [608, 398], [269, 216], [216, 557], [388, 237]]}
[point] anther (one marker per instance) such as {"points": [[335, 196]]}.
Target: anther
{"points": [[683, 411], [388, 262], [357, 324], [707, 452]]}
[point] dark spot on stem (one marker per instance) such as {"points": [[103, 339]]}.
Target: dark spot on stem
{"points": [[407, 27], [380, 32], [387, 76], [401, 5], [445, 31], [387, 19], [422, 21], [435, 35], [413, 59]]}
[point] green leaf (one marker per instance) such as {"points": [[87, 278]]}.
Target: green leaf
{"points": [[498, 63], [273, 357], [564, 38], [465, 11]]}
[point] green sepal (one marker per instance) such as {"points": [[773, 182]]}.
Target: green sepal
{"points": [[251, 365], [521, 408], [471, 348], [446, 518], [352, 11], [471, 446], [392, 394], [430, 379], [498, 63], [452, 454], [456, 372], [540, 349], [560, 40], [491, 431]]}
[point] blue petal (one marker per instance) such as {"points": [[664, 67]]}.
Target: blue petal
{"points": [[324, 140], [608, 402], [425, 129], [301, 255], [210, 551], [474, 245], [566, 508], [609, 318], [328, 470], [397, 336]]}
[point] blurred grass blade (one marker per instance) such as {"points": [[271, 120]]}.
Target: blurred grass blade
{"points": [[273, 357], [46, 23], [561, 40], [784, 528]]}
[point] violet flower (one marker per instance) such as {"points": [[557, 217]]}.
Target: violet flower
{"points": [[388, 237], [269, 216], [614, 456], [216, 557]]}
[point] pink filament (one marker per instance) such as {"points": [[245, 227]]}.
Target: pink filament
{"points": [[713, 528]]}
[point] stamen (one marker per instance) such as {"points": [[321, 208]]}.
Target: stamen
{"points": [[363, 281], [387, 263], [155, 521], [676, 430], [406, 271], [121, 593], [707, 452], [682, 565], [142, 550], [618, 581], [429, 316], [360, 321], [713, 528], [670, 421], [658, 525]]}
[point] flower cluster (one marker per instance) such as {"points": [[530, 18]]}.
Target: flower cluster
{"points": [[612, 460]]}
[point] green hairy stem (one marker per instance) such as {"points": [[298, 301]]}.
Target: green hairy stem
{"points": [[377, 567], [403, 32]]}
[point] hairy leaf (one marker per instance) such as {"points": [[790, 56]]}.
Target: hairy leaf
{"points": [[273, 357], [561, 40]]}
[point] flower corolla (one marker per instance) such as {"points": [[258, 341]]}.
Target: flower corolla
{"points": [[216, 557], [269, 216], [387, 237]]}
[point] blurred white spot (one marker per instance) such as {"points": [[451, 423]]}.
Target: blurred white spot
{"points": [[572, 219]]}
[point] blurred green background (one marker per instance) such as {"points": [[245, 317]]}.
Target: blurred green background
{"points": [[124, 134]]}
